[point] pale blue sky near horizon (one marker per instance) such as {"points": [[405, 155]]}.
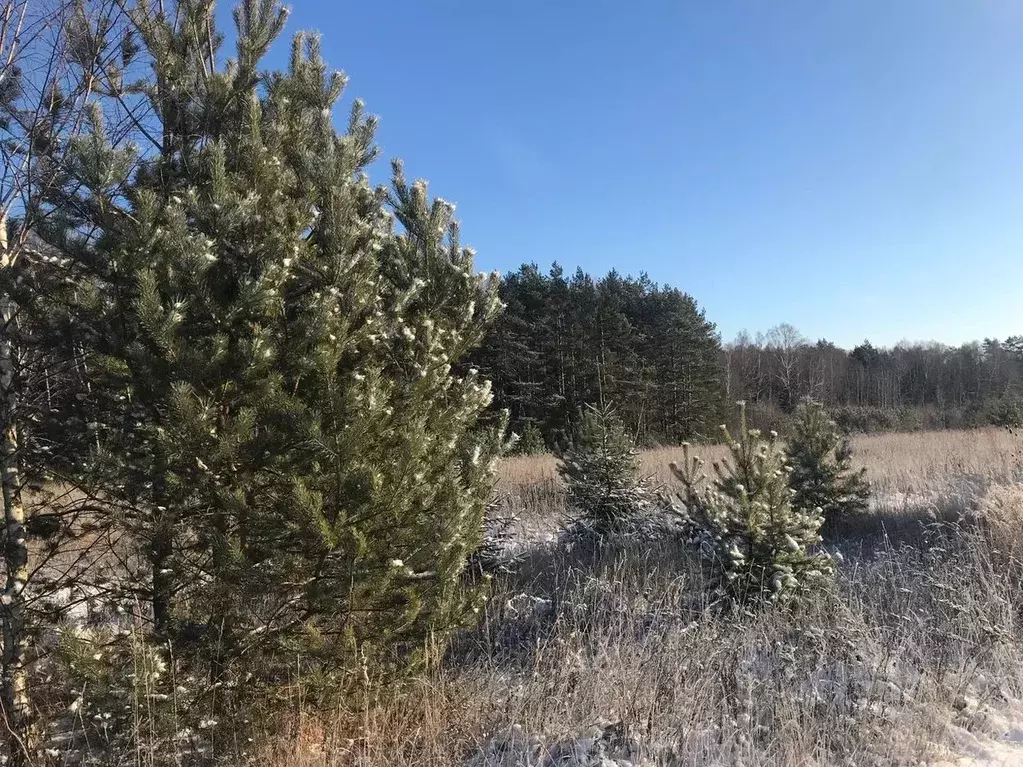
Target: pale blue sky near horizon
{"points": [[851, 167]]}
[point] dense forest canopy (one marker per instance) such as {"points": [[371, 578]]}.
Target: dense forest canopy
{"points": [[565, 341], [908, 386]]}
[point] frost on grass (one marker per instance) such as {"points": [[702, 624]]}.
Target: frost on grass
{"points": [[608, 745]]}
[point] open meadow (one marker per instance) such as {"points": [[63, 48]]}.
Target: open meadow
{"points": [[910, 474], [913, 656], [274, 420]]}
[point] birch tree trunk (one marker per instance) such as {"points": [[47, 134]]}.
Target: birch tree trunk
{"points": [[13, 681]]}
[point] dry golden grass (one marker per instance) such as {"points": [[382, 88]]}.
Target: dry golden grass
{"points": [[916, 642], [895, 462], [1001, 518], [938, 473], [617, 654], [878, 671]]}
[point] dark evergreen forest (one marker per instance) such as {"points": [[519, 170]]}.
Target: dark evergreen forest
{"points": [[568, 340]]}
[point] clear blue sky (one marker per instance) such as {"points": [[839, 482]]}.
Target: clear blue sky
{"points": [[852, 167]]}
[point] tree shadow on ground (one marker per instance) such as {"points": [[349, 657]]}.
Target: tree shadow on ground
{"points": [[913, 524], [580, 586]]}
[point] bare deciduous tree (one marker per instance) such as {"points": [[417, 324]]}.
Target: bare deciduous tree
{"points": [[785, 343], [54, 55]]}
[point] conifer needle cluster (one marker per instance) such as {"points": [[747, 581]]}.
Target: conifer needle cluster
{"points": [[759, 544]]}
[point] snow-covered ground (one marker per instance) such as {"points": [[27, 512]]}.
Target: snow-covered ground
{"points": [[998, 743]]}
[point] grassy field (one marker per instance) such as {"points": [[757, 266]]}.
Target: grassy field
{"points": [[896, 462], [914, 656], [910, 474]]}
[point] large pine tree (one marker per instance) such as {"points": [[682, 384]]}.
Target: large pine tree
{"points": [[274, 344]]}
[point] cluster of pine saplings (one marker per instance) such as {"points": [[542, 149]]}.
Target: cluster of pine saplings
{"points": [[756, 519]]}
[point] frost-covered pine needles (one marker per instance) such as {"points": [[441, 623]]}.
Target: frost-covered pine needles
{"points": [[760, 545], [600, 474]]}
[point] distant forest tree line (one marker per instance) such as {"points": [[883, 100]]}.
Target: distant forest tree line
{"points": [[568, 340]]}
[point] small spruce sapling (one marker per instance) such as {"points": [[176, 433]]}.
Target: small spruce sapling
{"points": [[532, 441], [599, 469], [821, 467], [761, 545]]}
